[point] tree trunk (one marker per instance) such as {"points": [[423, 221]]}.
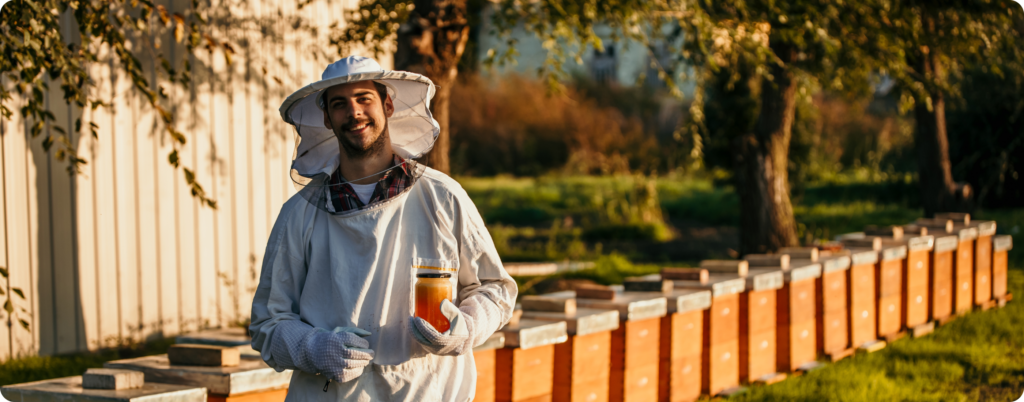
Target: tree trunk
{"points": [[431, 43], [939, 193], [762, 180]]}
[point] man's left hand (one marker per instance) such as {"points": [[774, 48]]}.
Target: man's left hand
{"points": [[453, 342]]}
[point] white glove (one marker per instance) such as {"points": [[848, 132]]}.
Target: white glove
{"points": [[453, 342], [340, 355]]}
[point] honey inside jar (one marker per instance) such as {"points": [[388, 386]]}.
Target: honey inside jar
{"points": [[431, 290]]}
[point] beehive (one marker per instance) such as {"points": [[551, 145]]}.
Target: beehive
{"points": [[635, 345], [861, 299], [889, 288], [832, 335], [983, 261], [524, 368], [916, 274], [940, 290], [758, 343], [679, 370], [721, 343], [796, 322], [963, 268], [1001, 246], [71, 389], [250, 379], [485, 356], [583, 362]]}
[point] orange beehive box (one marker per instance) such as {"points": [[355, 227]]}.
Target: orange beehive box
{"points": [[1001, 246], [940, 287], [963, 269], [796, 320], [583, 363], [889, 274], [679, 373], [916, 274], [983, 261], [832, 337], [720, 369], [757, 324], [524, 368], [635, 345], [485, 357], [861, 296]]}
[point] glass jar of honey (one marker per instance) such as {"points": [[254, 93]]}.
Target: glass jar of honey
{"points": [[431, 290]]}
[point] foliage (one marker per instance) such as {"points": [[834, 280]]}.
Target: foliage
{"points": [[14, 308], [37, 53]]}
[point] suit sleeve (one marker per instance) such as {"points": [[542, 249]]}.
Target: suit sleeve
{"points": [[487, 292]]}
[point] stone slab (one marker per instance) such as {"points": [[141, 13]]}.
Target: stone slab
{"points": [[530, 333], [630, 305], [187, 354], [922, 330], [871, 347], [584, 321], [541, 303], [495, 341], [738, 267], [222, 337]]}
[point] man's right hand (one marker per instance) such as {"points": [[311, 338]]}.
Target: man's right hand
{"points": [[341, 354]]}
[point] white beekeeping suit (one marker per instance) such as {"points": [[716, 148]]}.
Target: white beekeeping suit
{"points": [[349, 277]]}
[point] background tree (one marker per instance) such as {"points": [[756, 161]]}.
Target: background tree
{"points": [[429, 37], [927, 47], [36, 54]]}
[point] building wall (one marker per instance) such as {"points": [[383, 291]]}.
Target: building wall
{"points": [[122, 252]]}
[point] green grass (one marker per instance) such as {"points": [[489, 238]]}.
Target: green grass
{"points": [[974, 358]]}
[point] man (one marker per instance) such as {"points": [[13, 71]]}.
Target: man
{"points": [[335, 298]]}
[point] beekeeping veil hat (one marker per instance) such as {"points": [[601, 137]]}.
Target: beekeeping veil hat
{"points": [[317, 154]]}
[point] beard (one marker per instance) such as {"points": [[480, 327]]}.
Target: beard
{"points": [[359, 151]]}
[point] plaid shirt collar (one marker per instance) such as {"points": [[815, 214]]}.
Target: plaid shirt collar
{"points": [[392, 183]]}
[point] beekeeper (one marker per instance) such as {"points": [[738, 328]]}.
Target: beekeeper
{"points": [[335, 298]]}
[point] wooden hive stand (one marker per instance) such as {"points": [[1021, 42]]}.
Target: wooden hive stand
{"points": [[983, 264], [758, 320], [635, 344], [796, 326], [583, 363], [720, 370], [248, 380], [679, 370], [485, 357], [832, 336], [861, 298], [524, 368], [1001, 246]]}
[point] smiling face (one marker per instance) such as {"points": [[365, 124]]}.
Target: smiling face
{"points": [[358, 115]]}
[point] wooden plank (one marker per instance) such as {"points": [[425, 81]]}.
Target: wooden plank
{"points": [[963, 286], [86, 226], [40, 220], [66, 314], [6, 321], [940, 287], [485, 365], [915, 297], [105, 207], [524, 374], [721, 366], [147, 206], [686, 379], [999, 273], [889, 315], [861, 302], [207, 283], [757, 352], [721, 323], [19, 210], [982, 270], [832, 332], [123, 143]]}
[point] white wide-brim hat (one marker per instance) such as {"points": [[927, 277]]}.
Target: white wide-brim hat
{"points": [[412, 128]]}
